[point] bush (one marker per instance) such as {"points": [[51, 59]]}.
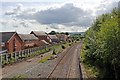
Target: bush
{"points": [[63, 47], [54, 53], [69, 44]]}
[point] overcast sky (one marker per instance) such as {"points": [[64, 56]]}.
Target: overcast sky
{"points": [[24, 16]]}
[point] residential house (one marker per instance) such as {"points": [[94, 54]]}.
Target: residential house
{"points": [[53, 39], [28, 40], [42, 43], [62, 37], [41, 35]]}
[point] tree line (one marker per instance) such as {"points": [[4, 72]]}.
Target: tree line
{"points": [[102, 45]]}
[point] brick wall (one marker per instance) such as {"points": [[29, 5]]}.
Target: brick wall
{"points": [[14, 44]]}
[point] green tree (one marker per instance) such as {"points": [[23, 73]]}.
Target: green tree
{"points": [[53, 33], [102, 45]]}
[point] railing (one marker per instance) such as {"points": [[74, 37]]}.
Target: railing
{"points": [[8, 58]]}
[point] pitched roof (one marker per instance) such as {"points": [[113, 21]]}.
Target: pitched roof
{"points": [[27, 37], [44, 42], [53, 36], [61, 35], [5, 36], [39, 33]]}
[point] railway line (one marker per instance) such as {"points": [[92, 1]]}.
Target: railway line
{"points": [[69, 64]]}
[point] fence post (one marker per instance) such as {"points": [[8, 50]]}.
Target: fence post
{"points": [[9, 57], [16, 55], [13, 55], [28, 52], [21, 54], [6, 57], [32, 50], [1, 58], [24, 52]]}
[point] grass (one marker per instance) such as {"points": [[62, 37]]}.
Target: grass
{"points": [[19, 77], [91, 71], [45, 59], [57, 49]]}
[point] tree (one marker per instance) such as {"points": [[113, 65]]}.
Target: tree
{"points": [[52, 33], [67, 33], [102, 45]]}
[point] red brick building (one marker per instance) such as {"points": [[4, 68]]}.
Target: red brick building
{"points": [[28, 41], [62, 37], [53, 39], [10, 41], [41, 35], [42, 43]]}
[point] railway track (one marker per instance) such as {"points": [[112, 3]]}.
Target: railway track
{"points": [[72, 51]]}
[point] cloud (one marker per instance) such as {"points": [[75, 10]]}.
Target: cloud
{"points": [[15, 11], [21, 25], [65, 17], [68, 15], [106, 7]]}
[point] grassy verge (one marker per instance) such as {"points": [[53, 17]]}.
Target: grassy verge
{"points": [[91, 71], [45, 59], [13, 60], [19, 77], [57, 49]]}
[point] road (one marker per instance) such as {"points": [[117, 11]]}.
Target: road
{"points": [[66, 65]]}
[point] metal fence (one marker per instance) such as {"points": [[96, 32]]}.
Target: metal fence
{"points": [[8, 58]]}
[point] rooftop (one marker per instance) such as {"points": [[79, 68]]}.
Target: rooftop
{"points": [[53, 36], [5, 36], [27, 37], [39, 33]]}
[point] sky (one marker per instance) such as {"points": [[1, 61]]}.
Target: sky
{"points": [[24, 16]]}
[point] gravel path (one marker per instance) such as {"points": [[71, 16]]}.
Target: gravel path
{"points": [[33, 69], [30, 68], [22, 67]]}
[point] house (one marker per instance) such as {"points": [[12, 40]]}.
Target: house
{"points": [[28, 41], [41, 35], [10, 41], [62, 37], [42, 43], [53, 38]]}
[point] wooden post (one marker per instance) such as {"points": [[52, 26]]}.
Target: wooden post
{"points": [[24, 52], [6, 56], [1, 58], [28, 52], [19, 54], [9, 57], [13, 55], [16, 56]]}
